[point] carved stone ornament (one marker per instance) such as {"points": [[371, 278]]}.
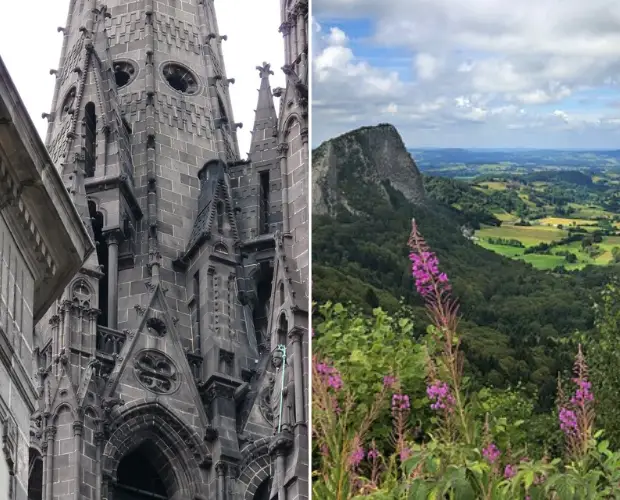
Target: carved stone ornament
{"points": [[156, 371], [9, 441], [265, 404]]}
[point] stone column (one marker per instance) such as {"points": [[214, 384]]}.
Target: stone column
{"points": [[98, 444], [50, 434], [77, 436], [282, 151], [220, 469], [299, 23], [112, 241], [285, 29], [280, 446], [296, 338], [44, 459]]}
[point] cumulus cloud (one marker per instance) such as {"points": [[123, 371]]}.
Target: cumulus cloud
{"points": [[485, 72]]}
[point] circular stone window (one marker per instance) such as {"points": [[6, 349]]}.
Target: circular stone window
{"points": [[156, 371], [180, 78], [124, 73]]}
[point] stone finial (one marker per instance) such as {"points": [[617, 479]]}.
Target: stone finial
{"points": [[265, 70]]}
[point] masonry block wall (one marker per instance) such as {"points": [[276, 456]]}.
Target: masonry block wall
{"points": [[16, 331]]}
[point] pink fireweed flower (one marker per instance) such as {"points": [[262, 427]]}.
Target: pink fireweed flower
{"points": [[335, 381], [439, 393], [330, 374], [491, 453], [582, 394], [373, 454], [357, 456], [425, 270], [568, 421], [405, 453], [425, 266], [510, 471], [389, 381], [400, 402], [336, 405]]}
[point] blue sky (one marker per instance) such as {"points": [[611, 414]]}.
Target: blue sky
{"points": [[482, 73]]}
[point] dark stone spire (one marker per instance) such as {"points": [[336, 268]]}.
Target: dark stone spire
{"points": [[264, 133]]}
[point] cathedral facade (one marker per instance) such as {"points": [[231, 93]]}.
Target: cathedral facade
{"points": [[174, 364]]}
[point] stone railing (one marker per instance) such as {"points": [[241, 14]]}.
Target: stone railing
{"points": [[109, 341]]}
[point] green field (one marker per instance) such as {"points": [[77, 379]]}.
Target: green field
{"points": [[528, 235], [547, 233]]}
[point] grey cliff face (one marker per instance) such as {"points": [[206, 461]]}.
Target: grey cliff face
{"points": [[366, 155]]}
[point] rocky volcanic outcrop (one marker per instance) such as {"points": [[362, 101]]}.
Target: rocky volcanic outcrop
{"points": [[366, 155]]}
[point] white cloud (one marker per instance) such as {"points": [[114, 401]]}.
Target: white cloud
{"points": [[495, 63], [427, 66], [29, 54]]}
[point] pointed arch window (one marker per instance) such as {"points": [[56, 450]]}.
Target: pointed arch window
{"points": [[140, 475], [263, 491], [282, 330], [220, 217], [282, 297], [90, 140], [35, 475]]}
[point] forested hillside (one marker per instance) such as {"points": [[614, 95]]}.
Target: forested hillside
{"points": [[512, 314]]}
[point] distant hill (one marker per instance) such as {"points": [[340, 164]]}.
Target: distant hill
{"points": [[450, 162], [366, 190]]}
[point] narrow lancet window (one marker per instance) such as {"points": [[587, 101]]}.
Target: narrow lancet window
{"points": [[90, 140]]}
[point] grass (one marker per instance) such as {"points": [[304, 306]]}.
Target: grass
{"points": [[507, 217], [528, 235], [554, 221], [589, 212], [546, 233], [493, 185]]}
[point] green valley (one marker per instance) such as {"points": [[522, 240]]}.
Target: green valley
{"points": [[559, 220]]}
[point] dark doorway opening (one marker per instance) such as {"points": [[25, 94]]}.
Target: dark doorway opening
{"points": [[35, 475], [262, 493], [138, 478]]}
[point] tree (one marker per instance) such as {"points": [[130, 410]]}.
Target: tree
{"points": [[371, 298]]}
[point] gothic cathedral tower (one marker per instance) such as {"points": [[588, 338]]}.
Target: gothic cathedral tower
{"points": [[175, 365]]}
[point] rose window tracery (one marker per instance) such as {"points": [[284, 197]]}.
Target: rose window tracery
{"points": [[156, 371]]}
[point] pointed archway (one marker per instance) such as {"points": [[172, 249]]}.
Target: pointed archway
{"points": [[157, 458], [263, 491], [142, 474]]}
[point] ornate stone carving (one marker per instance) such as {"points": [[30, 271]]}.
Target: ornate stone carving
{"points": [[265, 70], [265, 403], [210, 434], [81, 294], [9, 442], [156, 325], [281, 443], [156, 371]]}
